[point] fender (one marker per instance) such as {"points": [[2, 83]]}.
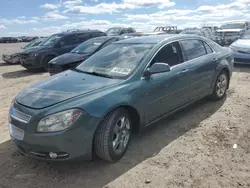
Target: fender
{"points": [[46, 54]]}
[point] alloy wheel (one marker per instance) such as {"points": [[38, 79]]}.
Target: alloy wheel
{"points": [[121, 135], [221, 85]]}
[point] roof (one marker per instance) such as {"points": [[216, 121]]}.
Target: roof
{"points": [[155, 39], [79, 31]]}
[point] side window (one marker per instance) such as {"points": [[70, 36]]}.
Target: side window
{"points": [[169, 54], [130, 30], [100, 34], [208, 48], [82, 37], [193, 48], [69, 40], [124, 31]]}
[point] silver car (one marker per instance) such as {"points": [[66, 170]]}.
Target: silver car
{"points": [[241, 49]]}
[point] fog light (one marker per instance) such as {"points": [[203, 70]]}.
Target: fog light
{"points": [[53, 155]]}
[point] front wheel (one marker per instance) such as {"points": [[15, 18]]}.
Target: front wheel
{"points": [[46, 62], [113, 135], [221, 86]]}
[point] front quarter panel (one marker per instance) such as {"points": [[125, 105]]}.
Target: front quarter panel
{"points": [[100, 104]]}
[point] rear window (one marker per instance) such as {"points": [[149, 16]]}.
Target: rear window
{"points": [[193, 48], [208, 48]]}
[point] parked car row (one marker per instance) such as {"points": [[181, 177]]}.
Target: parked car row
{"points": [[123, 85]]}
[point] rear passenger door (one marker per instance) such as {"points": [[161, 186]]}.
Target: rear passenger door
{"points": [[203, 62]]}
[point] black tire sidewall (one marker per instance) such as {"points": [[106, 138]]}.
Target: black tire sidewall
{"points": [[46, 62], [113, 155]]}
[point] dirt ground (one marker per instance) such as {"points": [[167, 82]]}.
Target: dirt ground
{"points": [[193, 148]]}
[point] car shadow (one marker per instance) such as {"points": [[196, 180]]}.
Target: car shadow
{"points": [[19, 171], [242, 68], [20, 73], [4, 64]]}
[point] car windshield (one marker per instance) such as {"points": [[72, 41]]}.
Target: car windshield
{"points": [[30, 44], [246, 35], [116, 60], [89, 46], [113, 31], [50, 41], [233, 26]]}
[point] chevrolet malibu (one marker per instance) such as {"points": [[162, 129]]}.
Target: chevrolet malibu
{"points": [[124, 87]]}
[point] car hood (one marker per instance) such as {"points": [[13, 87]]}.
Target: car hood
{"points": [[229, 30], [34, 49], [69, 58], [61, 87], [242, 43]]}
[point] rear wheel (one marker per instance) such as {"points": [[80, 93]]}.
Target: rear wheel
{"points": [[221, 86], [46, 62], [113, 135]]}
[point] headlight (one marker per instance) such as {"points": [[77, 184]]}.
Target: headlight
{"points": [[233, 48], [59, 121], [34, 55]]}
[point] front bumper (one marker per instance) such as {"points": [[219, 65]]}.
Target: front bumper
{"points": [[11, 59], [74, 142], [54, 68], [241, 58], [31, 62]]}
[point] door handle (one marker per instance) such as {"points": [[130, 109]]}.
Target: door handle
{"points": [[183, 71], [215, 59]]}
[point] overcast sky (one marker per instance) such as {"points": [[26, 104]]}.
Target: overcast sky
{"points": [[45, 17]]}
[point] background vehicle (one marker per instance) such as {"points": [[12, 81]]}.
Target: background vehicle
{"points": [[126, 86], [136, 34], [14, 57], [231, 32], [80, 53], [241, 49], [119, 31], [201, 32], [154, 33], [57, 44], [168, 29], [8, 40]]}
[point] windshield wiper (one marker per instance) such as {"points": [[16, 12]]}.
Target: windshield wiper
{"points": [[100, 74], [77, 70], [92, 73]]}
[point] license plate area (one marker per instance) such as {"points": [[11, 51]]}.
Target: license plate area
{"points": [[16, 132]]}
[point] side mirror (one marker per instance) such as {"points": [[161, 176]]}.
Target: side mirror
{"points": [[156, 68]]}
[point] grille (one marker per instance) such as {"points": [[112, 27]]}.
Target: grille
{"points": [[24, 56], [19, 116], [242, 60]]}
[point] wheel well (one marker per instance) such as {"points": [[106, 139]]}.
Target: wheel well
{"points": [[228, 76], [135, 117], [49, 56]]}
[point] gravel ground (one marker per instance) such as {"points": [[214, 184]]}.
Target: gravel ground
{"points": [[193, 148]]}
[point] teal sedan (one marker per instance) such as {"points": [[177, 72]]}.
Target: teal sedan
{"points": [[124, 87]]}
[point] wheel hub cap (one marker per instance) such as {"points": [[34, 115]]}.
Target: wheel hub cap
{"points": [[121, 135], [221, 85]]}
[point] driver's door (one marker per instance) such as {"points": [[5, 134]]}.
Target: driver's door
{"points": [[165, 92]]}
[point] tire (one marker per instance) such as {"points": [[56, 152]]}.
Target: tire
{"points": [[220, 86], [112, 137], [46, 62]]}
